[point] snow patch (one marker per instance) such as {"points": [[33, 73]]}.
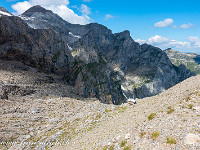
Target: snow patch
{"points": [[69, 47], [26, 18], [5, 13], [77, 36]]}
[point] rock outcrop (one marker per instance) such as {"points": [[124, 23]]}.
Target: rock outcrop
{"points": [[91, 58], [43, 49]]}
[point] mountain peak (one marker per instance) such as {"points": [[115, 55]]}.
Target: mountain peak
{"points": [[35, 9], [4, 12]]}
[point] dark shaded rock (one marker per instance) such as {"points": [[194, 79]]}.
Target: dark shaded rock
{"points": [[13, 90]]}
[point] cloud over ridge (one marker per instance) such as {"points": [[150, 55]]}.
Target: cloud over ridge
{"points": [[163, 42], [59, 7]]}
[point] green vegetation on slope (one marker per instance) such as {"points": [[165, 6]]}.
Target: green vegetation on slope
{"points": [[190, 60]]}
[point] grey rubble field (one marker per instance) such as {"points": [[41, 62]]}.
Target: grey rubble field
{"points": [[47, 119]]}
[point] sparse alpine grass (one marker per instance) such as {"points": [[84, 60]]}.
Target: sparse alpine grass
{"points": [[154, 135], [142, 134], [151, 116], [171, 140], [123, 143], [187, 99], [107, 110], [105, 147], [127, 148], [112, 147], [170, 110], [190, 106]]}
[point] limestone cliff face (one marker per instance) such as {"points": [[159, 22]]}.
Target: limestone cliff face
{"points": [[141, 70], [39, 48], [93, 59]]}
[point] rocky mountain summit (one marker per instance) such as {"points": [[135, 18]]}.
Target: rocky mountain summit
{"points": [[190, 60], [91, 58]]}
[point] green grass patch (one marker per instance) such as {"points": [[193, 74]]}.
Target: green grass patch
{"points": [[190, 106], [171, 140], [127, 148], [154, 135], [105, 147], [121, 109], [123, 143], [107, 110], [112, 147], [151, 116]]}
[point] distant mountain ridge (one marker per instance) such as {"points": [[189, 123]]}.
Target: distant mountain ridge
{"points": [[90, 57], [190, 60]]}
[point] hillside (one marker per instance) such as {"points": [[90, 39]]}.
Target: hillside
{"points": [[190, 60], [176, 124], [38, 114]]}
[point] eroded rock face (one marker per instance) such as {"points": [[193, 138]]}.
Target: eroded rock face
{"points": [[91, 58], [38, 48], [141, 70], [38, 17]]}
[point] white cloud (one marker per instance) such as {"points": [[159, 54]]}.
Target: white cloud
{"points": [[85, 10], [164, 43], [59, 7], [185, 26], [195, 41], [140, 41], [21, 7], [108, 16], [157, 40], [165, 23]]}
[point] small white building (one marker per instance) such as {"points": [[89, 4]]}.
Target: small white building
{"points": [[131, 101]]}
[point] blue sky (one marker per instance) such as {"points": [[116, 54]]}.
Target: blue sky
{"points": [[162, 23]]}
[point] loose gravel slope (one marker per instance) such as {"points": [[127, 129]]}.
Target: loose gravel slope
{"points": [[39, 111]]}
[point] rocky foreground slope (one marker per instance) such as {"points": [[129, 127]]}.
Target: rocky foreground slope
{"points": [[39, 111], [96, 62]]}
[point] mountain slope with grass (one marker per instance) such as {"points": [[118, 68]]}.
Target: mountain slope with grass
{"points": [[170, 120], [190, 60]]}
